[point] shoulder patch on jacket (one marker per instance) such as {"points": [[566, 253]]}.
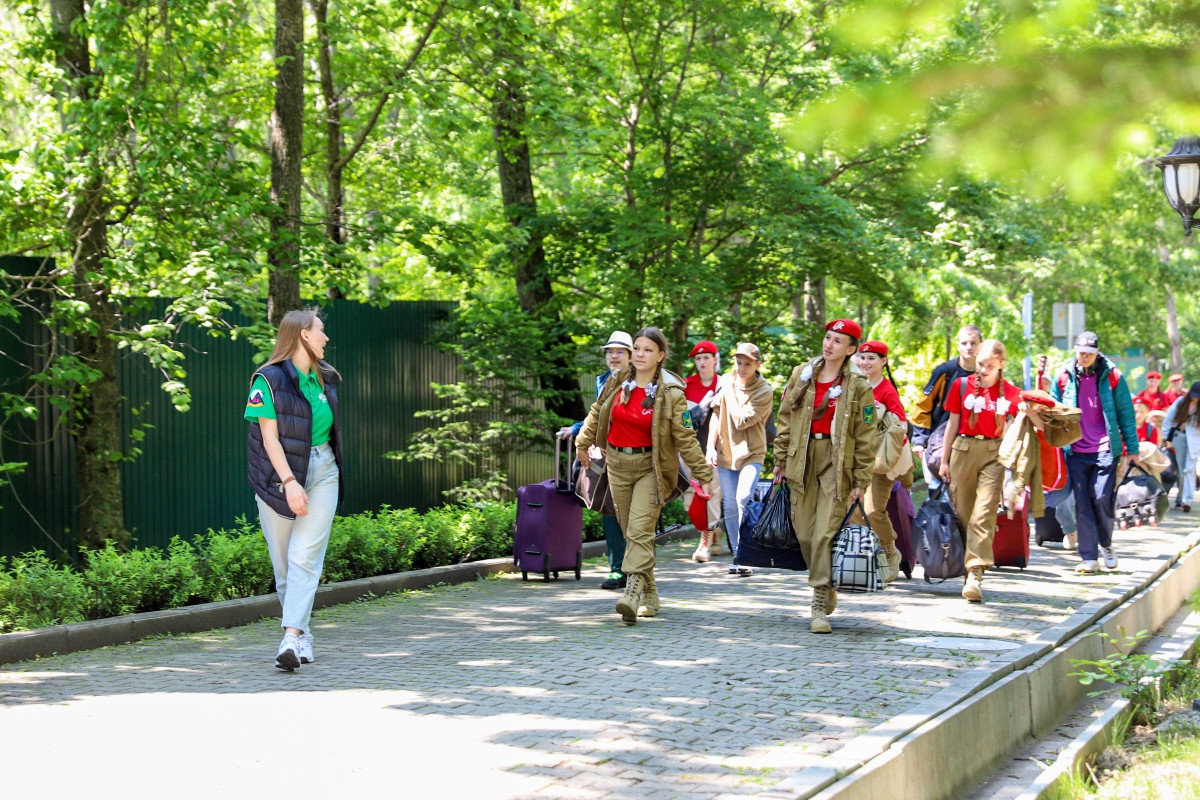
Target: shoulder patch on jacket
{"points": [[687, 419], [869, 414], [256, 399]]}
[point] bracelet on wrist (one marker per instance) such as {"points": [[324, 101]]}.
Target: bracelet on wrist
{"points": [[286, 481]]}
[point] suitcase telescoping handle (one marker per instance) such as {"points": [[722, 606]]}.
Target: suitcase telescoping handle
{"points": [[561, 484]]}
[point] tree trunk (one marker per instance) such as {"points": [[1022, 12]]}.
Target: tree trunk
{"points": [[287, 139], [1173, 330], [336, 234], [515, 172], [814, 301], [95, 405]]}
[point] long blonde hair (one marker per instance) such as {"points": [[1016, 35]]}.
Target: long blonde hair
{"points": [[289, 338]]}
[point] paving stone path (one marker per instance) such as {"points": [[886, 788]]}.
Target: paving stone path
{"points": [[508, 689]]}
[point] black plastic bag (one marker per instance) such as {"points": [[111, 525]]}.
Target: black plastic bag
{"points": [[774, 528]]}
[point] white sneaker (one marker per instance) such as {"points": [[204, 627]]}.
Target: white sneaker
{"points": [[306, 649], [1084, 567], [1110, 558], [288, 657]]}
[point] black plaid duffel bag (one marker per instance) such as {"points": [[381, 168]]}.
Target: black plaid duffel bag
{"points": [[859, 563]]}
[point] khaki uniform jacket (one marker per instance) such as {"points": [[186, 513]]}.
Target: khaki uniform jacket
{"points": [[671, 433], [894, 458], [854, 430], [741, 417], [1020, 453]]}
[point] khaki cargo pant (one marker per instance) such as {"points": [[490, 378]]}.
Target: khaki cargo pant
{"points": [[976, 486], [875, 502], [815, 516], [635, 493]]}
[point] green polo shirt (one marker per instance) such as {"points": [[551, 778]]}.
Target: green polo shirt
{"points": [[260, 405]]}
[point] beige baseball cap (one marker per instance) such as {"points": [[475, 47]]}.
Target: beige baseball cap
{"points": [[748, 350]]}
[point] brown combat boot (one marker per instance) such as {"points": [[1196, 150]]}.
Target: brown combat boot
{"points": [[973, 587], [634, 597], [716, 541], [894, 559], [820, 621], [650, 600]]}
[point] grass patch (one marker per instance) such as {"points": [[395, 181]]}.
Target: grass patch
{"points": [[1158, 759]]}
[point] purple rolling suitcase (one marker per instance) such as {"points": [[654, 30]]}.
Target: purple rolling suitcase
{"points": [[901, 513], [548, 536]]}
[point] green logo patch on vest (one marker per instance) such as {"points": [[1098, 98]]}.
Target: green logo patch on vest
{"points": [[869, 415]]}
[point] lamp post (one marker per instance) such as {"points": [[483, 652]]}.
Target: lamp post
{"points": [[1181, 178]]}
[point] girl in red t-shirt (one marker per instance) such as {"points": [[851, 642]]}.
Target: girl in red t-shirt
{"points": [[872, 359], [980, 406]]}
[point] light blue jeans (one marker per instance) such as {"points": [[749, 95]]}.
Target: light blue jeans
{"points": [[297, 546], [737, 487], [1187, 464]]}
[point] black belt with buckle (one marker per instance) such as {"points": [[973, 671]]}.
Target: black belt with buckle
{"points": [[630, 450], [818, 436]]}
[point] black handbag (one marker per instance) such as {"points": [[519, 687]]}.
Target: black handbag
{"points": [[941, 549], [591, 487]]}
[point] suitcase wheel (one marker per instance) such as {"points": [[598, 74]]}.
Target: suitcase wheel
{"points": [[579, 566], [524, 575], [555, 576], [1021, 562]]}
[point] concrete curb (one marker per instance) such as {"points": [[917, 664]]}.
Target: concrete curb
{"points": [[1182, 645], [919, 755], [60, 639]]}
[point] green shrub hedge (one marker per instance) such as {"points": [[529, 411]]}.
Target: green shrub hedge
{"points": [[231, 563]]}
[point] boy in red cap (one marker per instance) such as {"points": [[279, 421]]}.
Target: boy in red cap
{"points": [[1151, 396], [1174, 389], [700, 389]]}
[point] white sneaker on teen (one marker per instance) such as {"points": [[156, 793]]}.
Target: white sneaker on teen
{"points": [[306, 649], [1084, 567], [1110, 558], [288, 657]]}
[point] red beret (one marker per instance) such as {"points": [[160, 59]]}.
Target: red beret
{"points": [[874, 346], [1176, 376], [846, 326], [704, 346], [1037, 396], [1154, 375]]}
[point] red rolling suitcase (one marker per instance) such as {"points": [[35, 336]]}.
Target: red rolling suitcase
{"points": [[548, 534], [1010, 547]]}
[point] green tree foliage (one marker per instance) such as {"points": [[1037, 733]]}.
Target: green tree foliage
{"points": [[725, 170]]}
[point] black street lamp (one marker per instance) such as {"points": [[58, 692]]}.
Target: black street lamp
{"points": [[1181, 178]]}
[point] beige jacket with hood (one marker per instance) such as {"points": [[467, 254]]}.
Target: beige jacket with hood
{"points": [[854, 429], [740, 424], [671, 433]]}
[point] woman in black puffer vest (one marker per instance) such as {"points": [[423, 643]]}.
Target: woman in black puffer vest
{"points": [[295, 464]]}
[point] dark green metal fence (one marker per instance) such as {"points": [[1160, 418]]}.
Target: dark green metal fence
{"points": [[191, 475]]}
